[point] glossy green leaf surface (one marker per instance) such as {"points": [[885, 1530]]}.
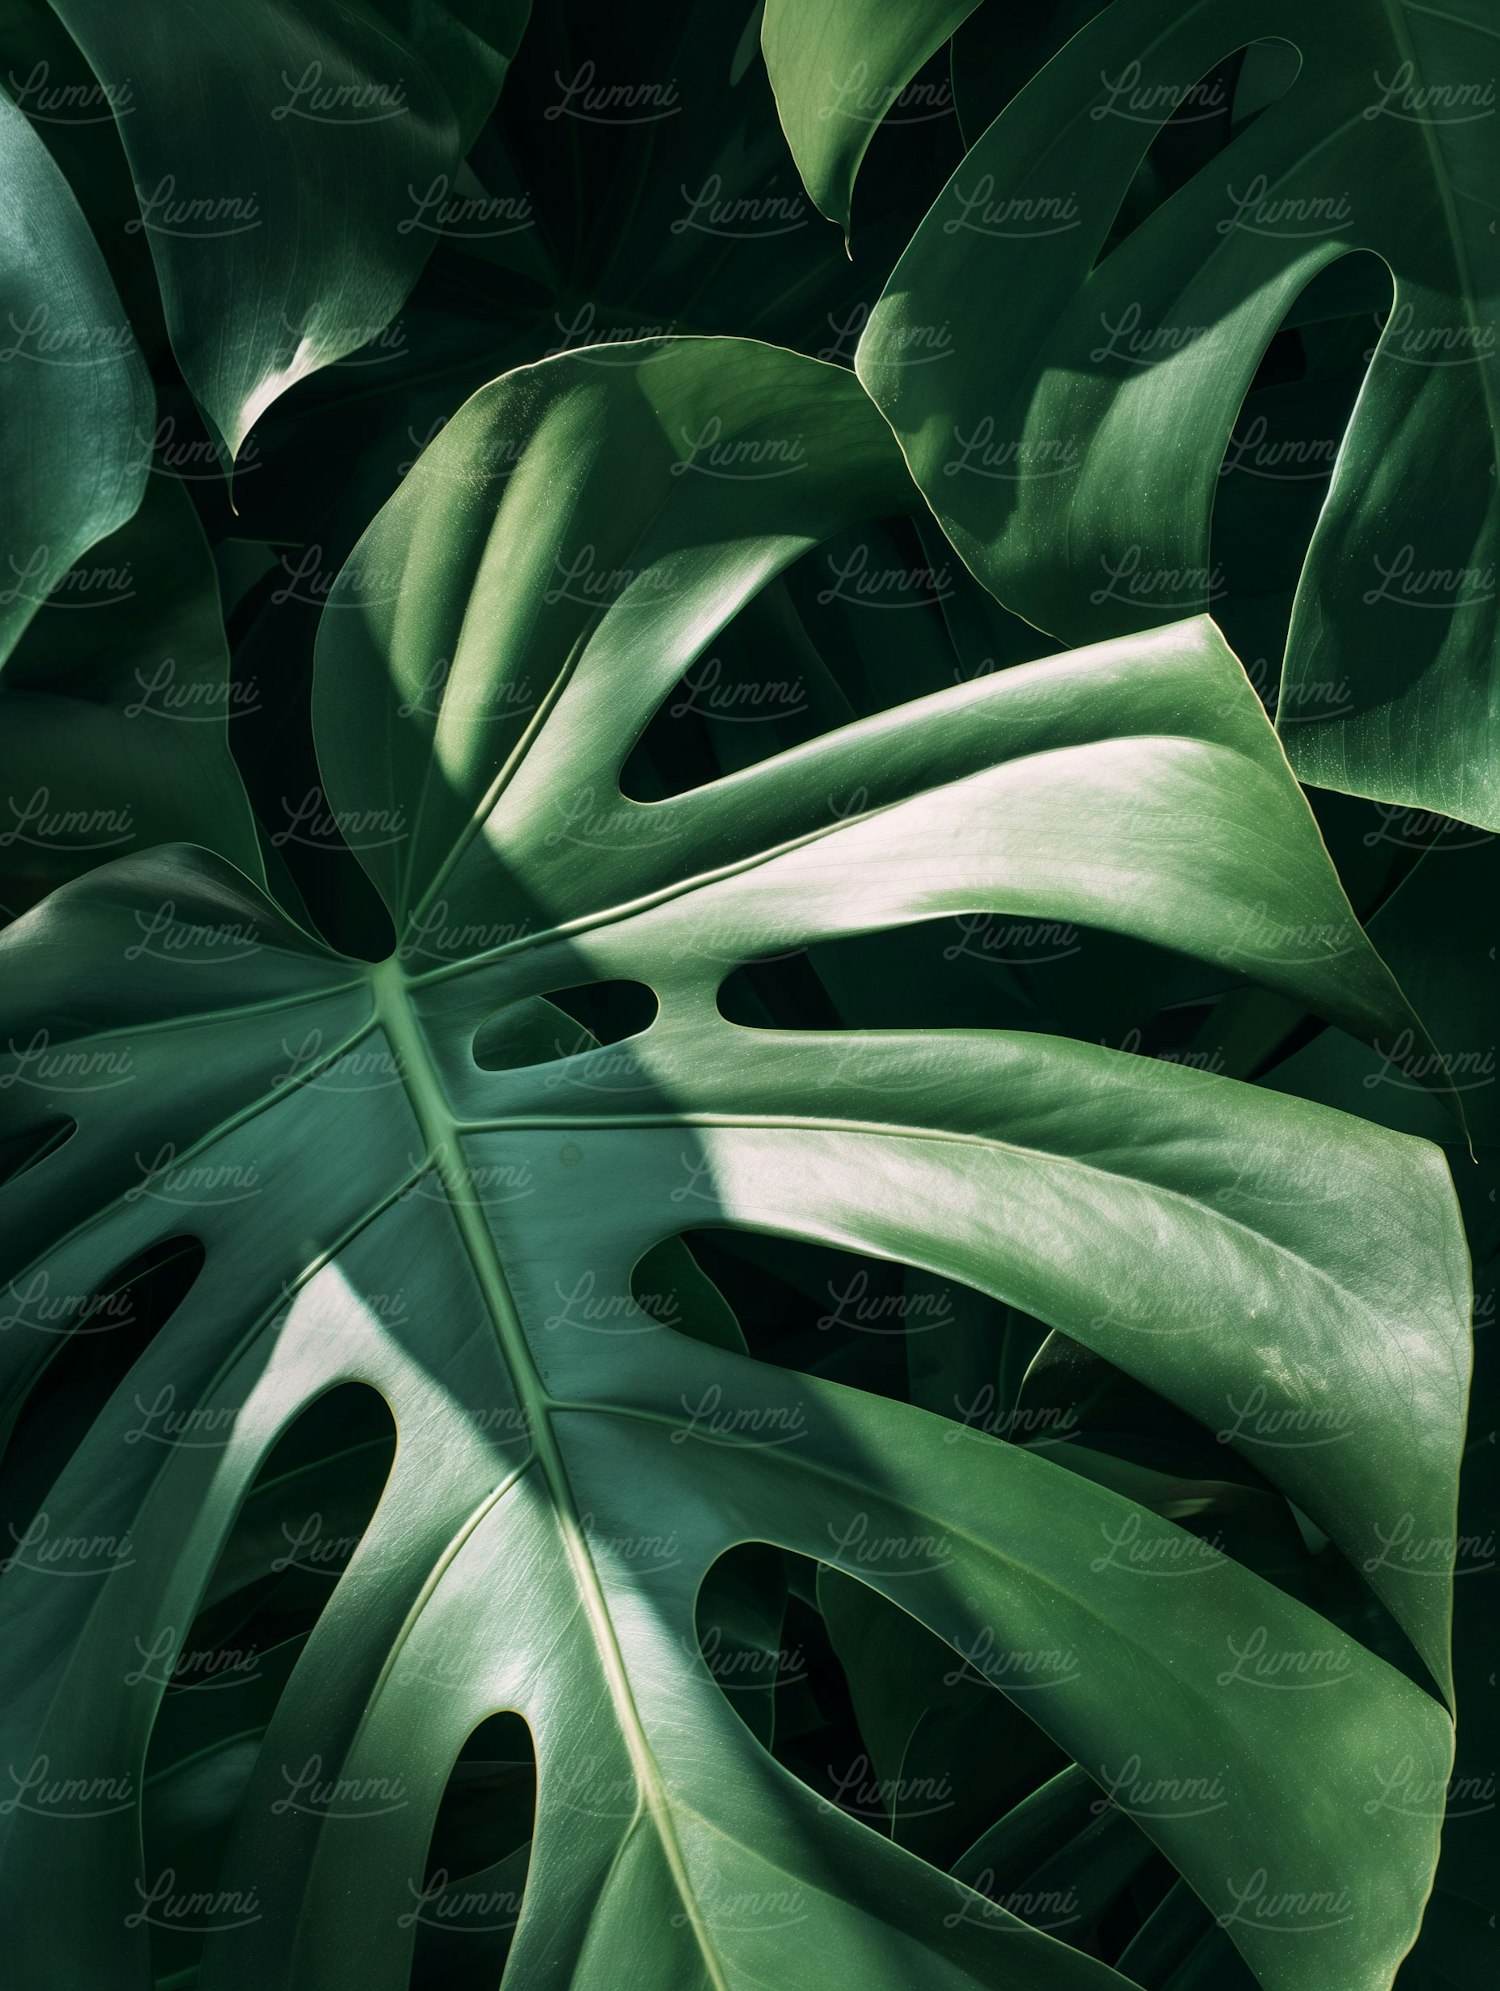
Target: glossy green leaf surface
{"points": [[839, 67], [74, 396], [294, 163], [1073, 452], [341, 1137]]}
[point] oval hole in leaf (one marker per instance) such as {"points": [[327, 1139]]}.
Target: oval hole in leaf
{"points": [[469, 1901], [669, 1285], [564, 1023], [762, 1637], [987, 971], [301, 1521], [997, 1374], [868, 1322]]}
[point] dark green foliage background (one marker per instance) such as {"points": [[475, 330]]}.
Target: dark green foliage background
{"points": [[618, 244]]}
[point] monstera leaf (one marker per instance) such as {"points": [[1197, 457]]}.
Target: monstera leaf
{"points": [[294, 162], [1041, 447], [404, 1174], [74, 394]]}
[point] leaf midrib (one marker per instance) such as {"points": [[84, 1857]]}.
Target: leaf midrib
{"points": [[441, 1132]]}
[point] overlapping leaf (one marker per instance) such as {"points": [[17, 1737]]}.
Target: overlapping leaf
{"points": [[294, 161], [334, 1132], [1073, 452]]}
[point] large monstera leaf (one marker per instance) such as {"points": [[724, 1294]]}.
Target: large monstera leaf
{"points": [[1073, 449], [295, 162], [341, 1136]]}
